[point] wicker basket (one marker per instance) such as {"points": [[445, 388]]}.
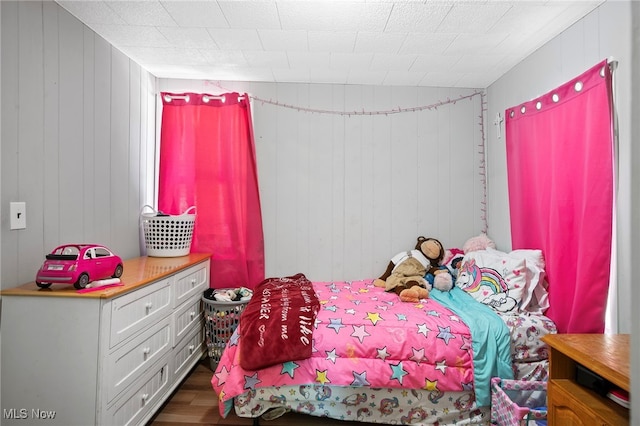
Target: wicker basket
{"points": [[221, 320], [167, 235]]}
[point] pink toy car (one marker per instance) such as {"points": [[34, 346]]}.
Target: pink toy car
{"points": [[78, 264]]}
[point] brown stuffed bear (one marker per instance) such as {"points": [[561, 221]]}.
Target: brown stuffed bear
{"points": [[406, 271]]}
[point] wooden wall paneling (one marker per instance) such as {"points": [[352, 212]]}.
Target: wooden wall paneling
{"points": [[355, 198], [448, 163], [119, 161], [338, 194], [266, 145], [148, 137], [385, 245], [321, 169], [30, 137], [367, 168], [71, 153], [102, 139], [464, 158], [146, 172], [135, 159], [88, 180], [10, 96], [592, 35], [302, 160], [286, 174], [404, 164], [51, 99], [443, 173], [426, 151], [573, 50], [57, 136]]}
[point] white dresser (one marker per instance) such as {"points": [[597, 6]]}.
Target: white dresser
{"points": [[108, 357]]}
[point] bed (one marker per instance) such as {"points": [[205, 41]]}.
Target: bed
{"points": [[373, 358]]}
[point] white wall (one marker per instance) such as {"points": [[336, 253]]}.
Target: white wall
{"points": [[635, 208], [604, 33], [77, 127], [342, 194]]}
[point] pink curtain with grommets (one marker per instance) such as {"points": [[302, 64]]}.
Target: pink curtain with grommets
{"points": [[207, 160], [560, 163]]}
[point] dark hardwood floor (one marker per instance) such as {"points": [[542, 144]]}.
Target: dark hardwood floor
{"points": [[195, 403]]}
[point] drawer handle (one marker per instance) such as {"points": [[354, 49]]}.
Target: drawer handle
{"points": [[191, 348], [193, 281], [145, 396], [192, 314], [148, 306], [146, 351]]}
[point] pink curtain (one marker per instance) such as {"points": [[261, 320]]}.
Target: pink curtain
{"points": [[560, 175], [207, 160]]}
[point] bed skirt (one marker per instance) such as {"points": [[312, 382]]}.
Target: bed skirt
{"points": [[387, 405]]}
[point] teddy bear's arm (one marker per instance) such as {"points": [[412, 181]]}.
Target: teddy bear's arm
{"points": [[387, 273]]}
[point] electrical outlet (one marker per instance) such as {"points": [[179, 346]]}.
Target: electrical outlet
{"points": [[18, 215]]}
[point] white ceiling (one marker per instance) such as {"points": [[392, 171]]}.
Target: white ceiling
{"points": [[411, 43]]}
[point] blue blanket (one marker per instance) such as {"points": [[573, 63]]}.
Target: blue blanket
{"points": [[491, 340]]}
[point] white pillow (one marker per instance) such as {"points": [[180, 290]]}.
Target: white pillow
{"points": [[536, 298], [494, 278]]}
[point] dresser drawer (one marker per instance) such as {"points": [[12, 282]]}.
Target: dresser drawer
{"points": [[571, 404], [187, 353], [190, 282], [187, 318], [136, 404], [128, 362], [136, 310]]}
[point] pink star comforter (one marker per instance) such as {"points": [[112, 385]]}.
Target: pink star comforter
{"points": [[364, 336]]}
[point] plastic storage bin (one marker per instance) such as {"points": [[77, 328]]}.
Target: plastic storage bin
{"points": [[221, 320], [518, 402], [167, 235]]}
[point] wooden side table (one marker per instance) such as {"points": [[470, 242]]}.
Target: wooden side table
{"points": [[571, 404]]}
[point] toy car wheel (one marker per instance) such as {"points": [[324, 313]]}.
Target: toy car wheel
{"points": [[43, 285], [118, 272], [82, 282]]}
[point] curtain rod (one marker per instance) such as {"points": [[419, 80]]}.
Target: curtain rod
{"points": [[205, 98]]}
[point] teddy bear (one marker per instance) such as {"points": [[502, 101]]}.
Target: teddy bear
{"points": [[450, 263], [407, 271], [479, 242]]}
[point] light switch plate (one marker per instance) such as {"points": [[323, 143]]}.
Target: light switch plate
{"points": [[18, 215]]}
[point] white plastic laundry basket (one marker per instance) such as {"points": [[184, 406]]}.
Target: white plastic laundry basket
{"points": [[167, 235]]}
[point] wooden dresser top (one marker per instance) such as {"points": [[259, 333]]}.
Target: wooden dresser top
{"points": [[137, 272], [605, 354]]}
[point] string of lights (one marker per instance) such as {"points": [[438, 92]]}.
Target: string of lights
{"points": [[483, 163], [397, 110], [364, 112], [481, 146]]}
